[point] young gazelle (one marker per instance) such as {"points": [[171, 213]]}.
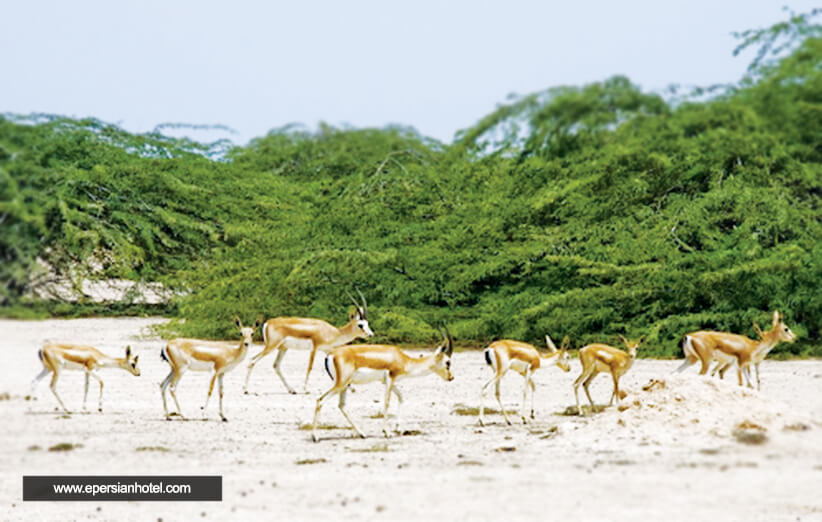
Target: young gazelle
{"points": [[706, 346], [281, 333], [524, 359], [61, 356], [364, 363], [194, 354], [596, 358]]}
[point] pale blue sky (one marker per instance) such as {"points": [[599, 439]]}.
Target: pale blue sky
{"points": [[438, 66]]}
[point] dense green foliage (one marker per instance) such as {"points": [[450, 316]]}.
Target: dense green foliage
{"points": [[585, 211]]}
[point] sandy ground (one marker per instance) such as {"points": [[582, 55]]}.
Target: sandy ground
{"points": [[672, 453]]}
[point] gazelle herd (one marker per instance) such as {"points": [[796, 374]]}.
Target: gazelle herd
{"points": [[348, 364]]}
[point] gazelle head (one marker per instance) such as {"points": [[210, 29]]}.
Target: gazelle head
{"points": [[128, 363], [783, 333], [442, 357], [360, 314], [561, 355], [632, 346], [247, 331]]}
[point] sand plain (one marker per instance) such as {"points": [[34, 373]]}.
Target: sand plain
{"points": [[673, 453]]}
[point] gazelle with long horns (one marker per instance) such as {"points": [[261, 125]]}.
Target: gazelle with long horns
{"points": [[63, 356], [282, 333], [706, 346], [598, 358], [364, 363], [217, 357], [524, 359]]}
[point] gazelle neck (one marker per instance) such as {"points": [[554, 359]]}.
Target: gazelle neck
{"points": [[768, 341], [347, 333], [113, 362], [420, 366]]}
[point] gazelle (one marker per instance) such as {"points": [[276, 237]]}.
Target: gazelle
{"points": [[194, 354], [62, 356], [281, 333], [705, 346], [524, 359], [364, 363], [596, 358]]}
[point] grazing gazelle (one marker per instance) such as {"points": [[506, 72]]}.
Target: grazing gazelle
{"points": [[706, 346], [596, 358], [61, 356], [524, 359], [281, 333], [364, 363], [210, 356]]}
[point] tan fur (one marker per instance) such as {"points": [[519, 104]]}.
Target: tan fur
{"points": [[524, 359], [218, 357], [706, 346], [65, 356], [599, 358], [322, 336], [359, 364]]}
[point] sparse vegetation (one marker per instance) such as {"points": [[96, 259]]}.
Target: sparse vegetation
{"points": [[65, 446]]}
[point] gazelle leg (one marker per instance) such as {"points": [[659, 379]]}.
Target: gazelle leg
{"points": [[587, 391], [482, 399], [37, 379], [85, 391], [268, 348], [319, 405], [746, 371], [280, 354], [342, 409], [499, 401], [685, 364], [310, 366], [173, 390], [584, 379], [525, 395], [533, 392], [615, 393], [210, 389], [756, 368], [53, 386], [399, 407], [220, 384], [100, 398], [389, 384], [163, 386]]}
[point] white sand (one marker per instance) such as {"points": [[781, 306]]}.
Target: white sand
{"points": [[671, 454]]}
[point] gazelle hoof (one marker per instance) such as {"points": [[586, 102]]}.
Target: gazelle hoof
{"points": [[292, 392], [224, 419], [100, 410]]}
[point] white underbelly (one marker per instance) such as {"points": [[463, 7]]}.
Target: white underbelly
{"points": [[70, 365], [200, 366], [366, 375], [297, 343], [518, 366]]}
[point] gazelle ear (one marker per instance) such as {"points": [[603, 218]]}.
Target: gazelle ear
{"points": [[641, 340], [566, 342], [136, 357], [776, 318], [238, 323], [624, 340], [258, 323], [128, 352], [550, 344], [353, 313]]}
